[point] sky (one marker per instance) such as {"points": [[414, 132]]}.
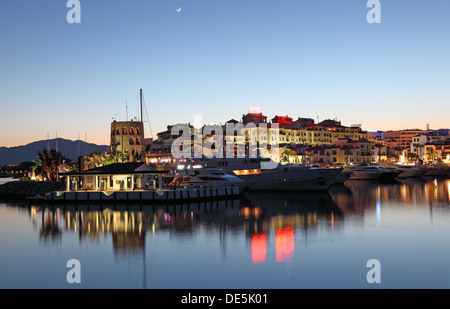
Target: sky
{"points": [[319, 59]]}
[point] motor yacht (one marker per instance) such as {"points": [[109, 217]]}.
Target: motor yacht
{"points": [[373, 172], [281, 178], [199, 176]]}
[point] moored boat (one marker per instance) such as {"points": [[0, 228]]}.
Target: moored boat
{"points": [[372, 172], [289, 177]]}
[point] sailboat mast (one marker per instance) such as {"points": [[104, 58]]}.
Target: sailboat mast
{"points": [[142, 131]]}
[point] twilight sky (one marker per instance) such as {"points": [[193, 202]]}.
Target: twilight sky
{"points": [[308, 58]]}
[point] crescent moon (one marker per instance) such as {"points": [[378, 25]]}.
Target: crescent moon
{"points": [[179, 10]]}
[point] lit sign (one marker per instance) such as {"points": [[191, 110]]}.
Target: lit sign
{"points": [[255, 110]]}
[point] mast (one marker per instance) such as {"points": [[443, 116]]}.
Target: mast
{"points": [[142, 131]]}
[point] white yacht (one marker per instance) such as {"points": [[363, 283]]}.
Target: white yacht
{"points": [[281, 178], [347, 171], [373, 172], [199, 176], [409, 171]]}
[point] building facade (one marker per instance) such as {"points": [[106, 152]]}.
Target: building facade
{"points": [[127, 139]]}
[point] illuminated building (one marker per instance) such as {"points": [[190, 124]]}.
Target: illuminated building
{"points": [[127, 138], [401, 138]]}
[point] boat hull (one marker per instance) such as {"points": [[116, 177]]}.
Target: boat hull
{"points": [[411, 173], [436, 172], [310, 180], [363, 175]]}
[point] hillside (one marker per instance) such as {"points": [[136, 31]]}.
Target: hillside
{"points": [[69, 149]]}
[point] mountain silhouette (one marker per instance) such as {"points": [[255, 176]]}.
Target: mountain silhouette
{"points": [[70, 149]]}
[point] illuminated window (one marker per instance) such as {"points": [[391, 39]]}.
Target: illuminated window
{"points": [[138, 132], [125, 131], [131, 131]]}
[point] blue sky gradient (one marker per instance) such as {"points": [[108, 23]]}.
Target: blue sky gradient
{"points": [[303, 58]]}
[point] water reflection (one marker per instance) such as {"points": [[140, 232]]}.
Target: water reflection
{"points": [[276, 226], [357, 196]]}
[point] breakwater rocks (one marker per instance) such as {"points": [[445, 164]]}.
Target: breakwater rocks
{"points": [[23, 189]]}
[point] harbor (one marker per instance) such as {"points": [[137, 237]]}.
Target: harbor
{"points": [[261, 239], [219, 153]]}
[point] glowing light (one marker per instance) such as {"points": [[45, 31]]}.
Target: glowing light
{"points": [[284, 245], [378, 213], [259, 248], [448, 191], [180, 167]]}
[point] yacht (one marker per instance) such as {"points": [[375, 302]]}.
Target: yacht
{"points": [[199, 176], [435, 171], [407, 171], [347, 171], [281, 178], [373, 172]]}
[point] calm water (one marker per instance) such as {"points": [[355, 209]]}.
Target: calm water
{"points": [[265, 241]]}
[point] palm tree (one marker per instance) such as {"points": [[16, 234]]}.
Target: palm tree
{"points": [[136, 156], [412, 157], [95, 159], [432, 153], [50, 161], [36, 163], [379, 146], [286, 155]]}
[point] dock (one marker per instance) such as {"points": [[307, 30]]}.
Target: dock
{"points": [[147, 196]]}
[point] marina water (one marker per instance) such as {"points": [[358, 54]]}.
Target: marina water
{"points": [[261, 241]]}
